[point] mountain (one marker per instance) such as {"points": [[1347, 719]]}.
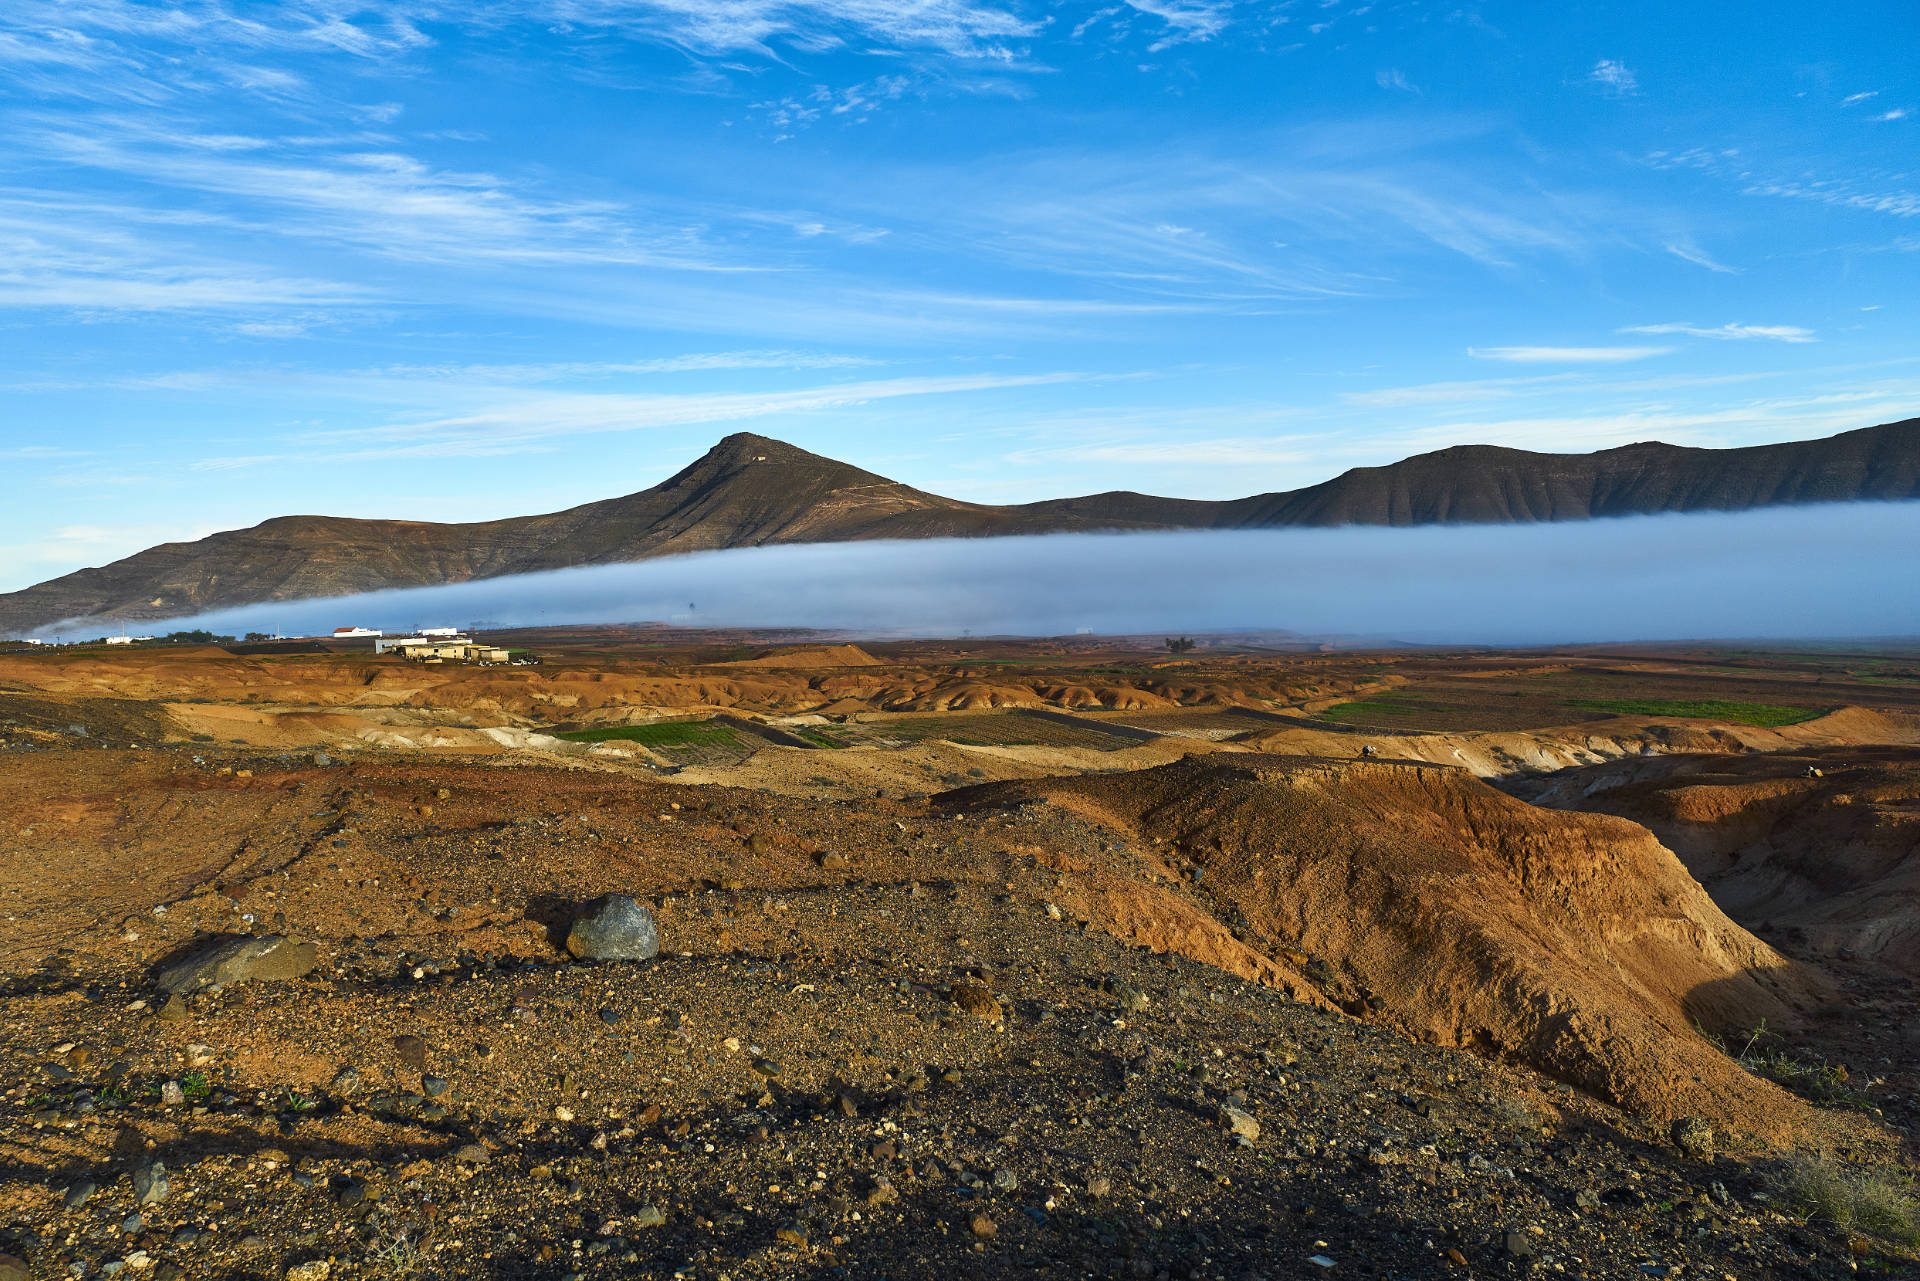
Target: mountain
{"points": [[750, 490]]}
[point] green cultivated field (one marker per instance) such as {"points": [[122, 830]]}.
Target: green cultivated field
{"points": [[1763, 715]]}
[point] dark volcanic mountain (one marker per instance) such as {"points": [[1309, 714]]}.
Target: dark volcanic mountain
{"points": [[749, 490]]}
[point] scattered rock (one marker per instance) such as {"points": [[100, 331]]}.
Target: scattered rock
{"points": [[150, 1186], [1692, 1135], [614, 928], [1517, 1244], [238, 960], [412, 1050], [834, 861], [172, 1094], [433, 1086], [472, 1154], [1099, 1185], [983, 1227], [976, 999], [172, 1010], [648, 1216], [313, 1270], [78, 1193], [1239, 1122]]}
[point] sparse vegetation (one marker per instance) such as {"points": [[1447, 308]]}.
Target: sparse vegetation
{"points": [[395, 1256], [659, 734], [1852, 1198], [1363, 710], [1764, 1053], [819, 739], [1762, 715], [1179, 644]]}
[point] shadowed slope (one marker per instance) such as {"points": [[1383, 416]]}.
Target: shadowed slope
{"points": [[1419, 895]]}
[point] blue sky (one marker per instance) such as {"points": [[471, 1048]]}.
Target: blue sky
{"points": [[457, 261]]}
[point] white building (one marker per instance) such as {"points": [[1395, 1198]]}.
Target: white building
{"points": [[354, 633], [438, 631]]}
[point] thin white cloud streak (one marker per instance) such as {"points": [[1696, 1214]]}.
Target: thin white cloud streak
{"points": [[1566, 355], [1807, 572], [1699, 258], [1731, 332]]}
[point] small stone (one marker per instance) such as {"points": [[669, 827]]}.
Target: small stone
{"points": [[433, 1086], [791, 1235], [322, 759], [1693, 1136], [472, 1154], [1005, 1180], [346, 1081], [614, 928], [648, 1216], [1130, 998], [976, 999], [77, 1193], [13, 1268], [411, 1050], [1320, 1261], [983, 1227], [562, 1113], [1517, 1244], [222, 962], [313, 1270], [350, 1195], [1099, 1185], [172, 1010], [150, 1186], [1239, 1122], [172, 1094], [834, 861]]}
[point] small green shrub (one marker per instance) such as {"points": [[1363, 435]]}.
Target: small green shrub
{"points": [[1851, 1198]]}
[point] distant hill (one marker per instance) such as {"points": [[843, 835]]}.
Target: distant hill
{"points": [[749, 491]]}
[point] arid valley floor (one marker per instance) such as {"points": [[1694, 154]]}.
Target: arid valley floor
{"points": [[978, 959]]}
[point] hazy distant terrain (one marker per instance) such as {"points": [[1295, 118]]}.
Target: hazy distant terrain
{"points": [[750, 491]]}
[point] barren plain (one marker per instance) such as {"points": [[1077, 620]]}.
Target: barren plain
{"points": [[976, 958]]}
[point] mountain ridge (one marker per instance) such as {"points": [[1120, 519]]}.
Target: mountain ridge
{"points": [[750, 490]]}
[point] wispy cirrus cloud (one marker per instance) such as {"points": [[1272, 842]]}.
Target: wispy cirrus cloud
{"points": [[1778, 333], [1566, 355], [1614, 77], [1700, 258]]}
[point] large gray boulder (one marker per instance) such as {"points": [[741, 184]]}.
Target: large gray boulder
{"points": [[237, 960], [614, 928]]}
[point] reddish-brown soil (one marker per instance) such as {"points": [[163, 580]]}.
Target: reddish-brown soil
{"points": [[1455, 1014]]}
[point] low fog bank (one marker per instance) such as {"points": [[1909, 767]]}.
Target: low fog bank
{"points": [[1828, 571]]}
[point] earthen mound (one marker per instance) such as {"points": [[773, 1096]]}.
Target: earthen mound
{"points": [[809, 656], [1418, 895], [1818, 850]]}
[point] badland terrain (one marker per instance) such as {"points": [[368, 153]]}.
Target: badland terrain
{"points": [[751, 491], [973, 959]]}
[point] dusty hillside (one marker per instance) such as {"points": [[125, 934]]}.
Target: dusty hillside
{"points": [[749, 491], [1828, 862], [1575, 943]]}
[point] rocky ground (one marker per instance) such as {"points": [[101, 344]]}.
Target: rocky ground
{"points": [[979, 1033]]}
